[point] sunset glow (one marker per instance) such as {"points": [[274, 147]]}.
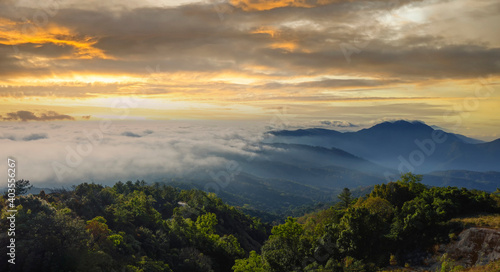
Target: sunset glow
{"points": [[321, 60]]}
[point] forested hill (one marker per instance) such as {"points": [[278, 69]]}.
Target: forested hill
{"points": [[397, 226], [128, 227], [141, 227]]}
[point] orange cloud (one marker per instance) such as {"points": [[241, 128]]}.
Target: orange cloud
{"points": [[251, 5], [25, 33], [287, 46], [279, 42], [265, 30]]}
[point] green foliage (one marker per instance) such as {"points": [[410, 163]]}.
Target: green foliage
{"points": [[397, 193], [99, 231], [145, 264], [116, 239], [448, 265], [286, 247], [377, 206], [381, 229], [22, 186], [289, 230], [345, 198], [206, 223], [131, 226], [254, 263], [46, 239]]}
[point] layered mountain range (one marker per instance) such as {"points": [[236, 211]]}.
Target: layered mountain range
{"points": [[402, 145], [305, 166]]}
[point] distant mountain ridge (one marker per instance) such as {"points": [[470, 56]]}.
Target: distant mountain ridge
{"points": [[304, 166], [408, 146]]}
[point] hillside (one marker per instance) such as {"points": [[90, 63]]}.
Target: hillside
{"points": [[134, 226], [397, 225], [128, 227], [486, 181]]}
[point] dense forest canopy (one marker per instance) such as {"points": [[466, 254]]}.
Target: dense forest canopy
{"points": [[135, 226]]}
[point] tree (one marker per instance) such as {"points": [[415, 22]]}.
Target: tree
{"points": [[285, 249], [410, 178], [362, 235], [378, 206], [22, 186], [254, 263], [397, 193], [99, 232], [345, 197], [206, 223]]}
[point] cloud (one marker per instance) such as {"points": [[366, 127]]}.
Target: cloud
{"points": [[8, 137], [250, 5], [27, 138], [202, 43], [262, 5], [175, 149], [131, 134], [260, 53], [339, 124], [30, 116], [136, 135], [35, 136]]}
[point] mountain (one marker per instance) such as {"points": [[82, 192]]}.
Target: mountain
{"points": [[310, 157], [299, 168], [468, 140], [404, 146], [34, 190], [283, 177], [269, 195], [485, 181]]}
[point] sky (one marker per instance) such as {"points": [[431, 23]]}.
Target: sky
{"points": [[319, 62]]}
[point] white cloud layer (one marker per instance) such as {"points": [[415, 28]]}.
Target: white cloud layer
{"points": [[65, 153]]}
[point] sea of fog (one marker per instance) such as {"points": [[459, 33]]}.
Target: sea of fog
{"points": [[66, 153]]}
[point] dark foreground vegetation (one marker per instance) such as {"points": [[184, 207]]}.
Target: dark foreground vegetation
{"points": [[139, 227]]}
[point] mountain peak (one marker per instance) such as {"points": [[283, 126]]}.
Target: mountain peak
{"points": [[305, 132], [401, 124]]}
